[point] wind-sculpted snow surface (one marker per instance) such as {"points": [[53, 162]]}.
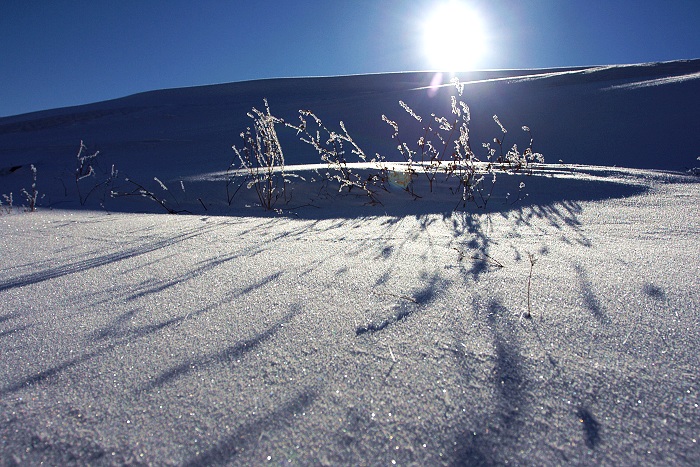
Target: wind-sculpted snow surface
{"points": [[360, 335]]}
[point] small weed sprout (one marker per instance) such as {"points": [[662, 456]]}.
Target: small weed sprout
{"points": [[85, 171], [261, 159], [231, 178], [165, 189]]}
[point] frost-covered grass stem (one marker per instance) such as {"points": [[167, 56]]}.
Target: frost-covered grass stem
{"points": [[532, 259], [32, 196]]}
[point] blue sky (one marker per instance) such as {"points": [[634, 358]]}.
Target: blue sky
{"points": [[69, 52]]}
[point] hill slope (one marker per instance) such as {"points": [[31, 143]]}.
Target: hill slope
{"points": [[342, 333], [641, 116]]}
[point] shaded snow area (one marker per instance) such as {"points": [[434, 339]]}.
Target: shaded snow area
{"points": [[553, 319]]}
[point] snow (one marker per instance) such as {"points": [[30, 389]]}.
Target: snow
{"points": [[658, 82], [338, 332]]}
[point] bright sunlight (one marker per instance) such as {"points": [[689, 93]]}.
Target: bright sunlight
{"points": [[454, 37]]}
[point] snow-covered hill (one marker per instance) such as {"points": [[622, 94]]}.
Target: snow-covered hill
{"points": [[341, 333], [639, 116]]}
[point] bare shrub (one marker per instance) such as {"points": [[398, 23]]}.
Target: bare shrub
{"points": [[442, 151], [261, 160], [444, 147], [331, 146]]}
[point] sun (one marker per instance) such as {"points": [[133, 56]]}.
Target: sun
{"points": [[454, 37]]}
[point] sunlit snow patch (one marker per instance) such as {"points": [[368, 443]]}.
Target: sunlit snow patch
{"points": [[656, 82]]}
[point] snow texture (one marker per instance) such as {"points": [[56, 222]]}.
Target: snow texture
{"points": [[342, 333]]}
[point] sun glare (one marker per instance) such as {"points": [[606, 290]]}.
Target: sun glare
{"points": [[454, 37]]}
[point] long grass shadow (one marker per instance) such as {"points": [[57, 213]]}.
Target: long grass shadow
{"points": [[8, 317], [49, 374], [46, 376], [248, 433], [120, 337], [224, 356], [117, 323], [12, 331], [30, 444], [591, 427], [409, 304], [91, 263], [261, 283], [589, 297], [203, 267], [510, 380], [117, 329], [508, 370]]}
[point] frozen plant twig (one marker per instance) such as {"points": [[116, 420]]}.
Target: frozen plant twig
{"points": [[140, 190], [85, 169], [528, 314]]}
